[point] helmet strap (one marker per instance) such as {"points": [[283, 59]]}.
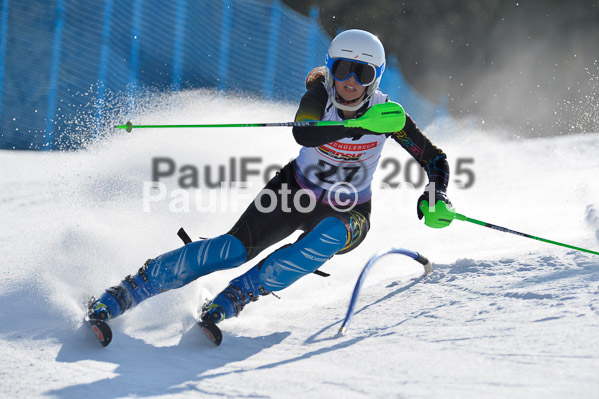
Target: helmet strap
{"points": [[351, 105], [343, 101]]}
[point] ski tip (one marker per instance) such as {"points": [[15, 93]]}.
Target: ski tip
{"points": [[101, 330], [211, 331]]}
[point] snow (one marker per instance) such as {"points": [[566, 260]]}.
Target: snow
{"points": [[500, 316]]}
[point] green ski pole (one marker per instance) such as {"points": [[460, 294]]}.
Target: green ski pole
{"points": [[380, 118], [130, 126], [499, 228]]}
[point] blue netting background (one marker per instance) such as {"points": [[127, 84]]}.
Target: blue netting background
{"points": [[63, 62]]}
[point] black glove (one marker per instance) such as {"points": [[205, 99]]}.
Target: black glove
{"points": [[439, 196]]}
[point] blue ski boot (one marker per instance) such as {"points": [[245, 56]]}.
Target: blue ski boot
{"points": [[116, 300], [97, 310], [229, 303]]}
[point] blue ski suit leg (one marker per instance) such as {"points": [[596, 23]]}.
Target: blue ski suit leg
{"points": [[171, 270], [280, 269]]}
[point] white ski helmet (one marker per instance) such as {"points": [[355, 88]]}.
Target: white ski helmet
{"points": [[362, 49]]}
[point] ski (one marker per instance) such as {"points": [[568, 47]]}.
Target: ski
{"points": [[211, 331], [101, 330]]}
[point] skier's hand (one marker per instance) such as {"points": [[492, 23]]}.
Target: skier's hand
{"points": [[438, 215]]}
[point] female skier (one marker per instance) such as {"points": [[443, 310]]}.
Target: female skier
{"points": [[335, 166]]}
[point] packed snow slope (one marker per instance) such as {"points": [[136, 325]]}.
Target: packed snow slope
{"points": [[501, 316]]}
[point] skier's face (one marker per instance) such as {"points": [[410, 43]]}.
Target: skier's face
{"points": [[349, 89]]}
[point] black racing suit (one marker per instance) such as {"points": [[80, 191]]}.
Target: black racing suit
{"points": [[258, 230]]}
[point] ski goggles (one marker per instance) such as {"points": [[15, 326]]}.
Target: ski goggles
{"points": [[364, 73]]}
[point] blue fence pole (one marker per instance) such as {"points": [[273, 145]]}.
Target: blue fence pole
{"points": [[3, 40], [104, 54], [312, 35], [134, 53], [53, 78], [271, 56], [225, 44], [178, 47]]}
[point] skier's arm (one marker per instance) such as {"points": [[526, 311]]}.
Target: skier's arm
{"points": [[311, 108], [434, 162], [430, 157]]}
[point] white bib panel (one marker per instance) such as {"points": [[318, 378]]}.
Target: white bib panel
{"points": [[332, 165]]}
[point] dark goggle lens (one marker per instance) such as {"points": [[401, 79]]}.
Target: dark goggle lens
{"points": [[365, 74]]}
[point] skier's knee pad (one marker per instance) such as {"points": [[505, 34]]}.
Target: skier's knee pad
{"points": [[177, 268], [285, 266]]}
